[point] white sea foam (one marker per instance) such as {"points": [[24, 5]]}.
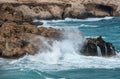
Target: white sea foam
{"points": [[84, 25], [83, 20], [46, 22], [69, 61], [94, 37], [62, 55]]}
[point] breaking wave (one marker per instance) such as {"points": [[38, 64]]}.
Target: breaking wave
{"points": [[81, 20], [62, 55]]}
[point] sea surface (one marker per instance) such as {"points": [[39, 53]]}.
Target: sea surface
{"points": [[63, 61]]}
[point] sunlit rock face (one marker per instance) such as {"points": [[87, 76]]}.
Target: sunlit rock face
{"points": [[16, 40], [60, 9], [17, 28]]}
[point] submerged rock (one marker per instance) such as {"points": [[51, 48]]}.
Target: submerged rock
{"points": [[98, 47]]}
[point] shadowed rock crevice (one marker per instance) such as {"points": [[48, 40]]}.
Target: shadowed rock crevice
{"points": [[105, 8], [101, 10]]}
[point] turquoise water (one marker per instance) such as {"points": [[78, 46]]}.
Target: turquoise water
{"points": [[63, 62]]}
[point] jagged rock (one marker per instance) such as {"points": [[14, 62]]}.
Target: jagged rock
{"points": [[16, 40], [98, 47], [17, 29], [7, 13], [43, 10], [58, 9]]}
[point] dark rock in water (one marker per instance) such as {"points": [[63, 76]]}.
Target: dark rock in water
{"points": [[98, 47], [36, 23]]}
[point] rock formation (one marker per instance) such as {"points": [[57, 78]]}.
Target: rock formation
{"points": [[15, 40], [17, 31], [17, 27], [98, 47], [60, 9]]}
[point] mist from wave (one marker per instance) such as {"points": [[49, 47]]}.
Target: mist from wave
{"points": [[82, 20], [62, 55], [63, 58]]}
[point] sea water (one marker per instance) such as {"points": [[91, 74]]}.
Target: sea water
{"points": [[63, 59]]}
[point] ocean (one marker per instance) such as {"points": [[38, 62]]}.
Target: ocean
{"points": [[63, 61]]}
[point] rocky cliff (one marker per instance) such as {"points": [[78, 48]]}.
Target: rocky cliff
{"points": [[17, 29], [60, 9]]}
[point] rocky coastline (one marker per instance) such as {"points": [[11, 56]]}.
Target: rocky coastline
{"points": [[61, 9], [17, 27]]}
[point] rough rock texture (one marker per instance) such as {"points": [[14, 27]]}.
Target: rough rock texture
{"points": [[15, 40], [17, 28], [98, 47], [60, 9]]}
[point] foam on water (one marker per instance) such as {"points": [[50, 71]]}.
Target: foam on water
{"points": [[83, 20], [89, 19], [84, 25], [62, 55], [47, 23], [99, 51], [69, 61]]}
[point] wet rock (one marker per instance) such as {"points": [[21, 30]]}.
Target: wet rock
{"points": [[98, 47], [37, 23]]}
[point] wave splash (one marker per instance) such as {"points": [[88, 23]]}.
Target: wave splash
{"points": [[62, 55], [80, 20]]}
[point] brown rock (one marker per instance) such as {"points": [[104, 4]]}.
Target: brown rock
{"points": [[60, 9], [9, 14], [17, 40]]}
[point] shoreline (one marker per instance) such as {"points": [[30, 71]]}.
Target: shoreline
{"points": [[17, 29]]}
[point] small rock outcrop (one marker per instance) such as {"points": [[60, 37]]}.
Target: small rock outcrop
{"points": [[98, 47]]}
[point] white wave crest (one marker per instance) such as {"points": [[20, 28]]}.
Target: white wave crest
{"points": [[63, 55], [83, 20]]}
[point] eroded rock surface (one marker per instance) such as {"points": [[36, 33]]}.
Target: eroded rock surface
{"points": [[15, 40], [60, 9], [17, 28], [98, 47]]}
